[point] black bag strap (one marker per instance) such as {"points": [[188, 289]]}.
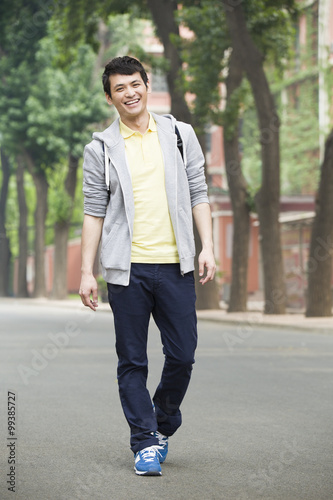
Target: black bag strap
{"points": [[179, 142]]}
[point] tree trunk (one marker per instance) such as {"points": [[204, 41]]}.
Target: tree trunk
{"points": [[207, 295], [41, 185], [163, 14], [103, 38], [59, 289], [268, 197], [40, 218], [61, 235], [238, 195], [319, 301], [4, 241], [22, 289]]}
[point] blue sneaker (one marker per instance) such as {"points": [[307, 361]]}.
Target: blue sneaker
{"points": [[163, 446], [147, 462]]}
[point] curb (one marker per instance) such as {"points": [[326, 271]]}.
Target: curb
{"points": [[254, 319], [298, 322]]}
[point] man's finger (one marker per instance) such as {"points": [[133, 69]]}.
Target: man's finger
{"points": [[210, 274], [95, 297], [85, 298], [201, 268]]}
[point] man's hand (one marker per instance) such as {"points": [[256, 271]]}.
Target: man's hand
{"points": [[203, 221], [91, 235], [88, 287], [206, 259]]}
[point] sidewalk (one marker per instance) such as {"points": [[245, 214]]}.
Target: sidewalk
{"points": [[254, 317], [296, 321]]}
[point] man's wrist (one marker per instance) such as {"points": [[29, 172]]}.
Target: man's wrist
{"points": [[208, 246], [86, 272]]}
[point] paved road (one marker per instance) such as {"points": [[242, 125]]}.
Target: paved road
{"points": [[257, 419]]}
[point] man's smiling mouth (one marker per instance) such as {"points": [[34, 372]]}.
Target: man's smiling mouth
{"points": [[134, 101]]}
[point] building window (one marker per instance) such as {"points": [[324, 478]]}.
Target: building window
{"points": [[158, 82]]}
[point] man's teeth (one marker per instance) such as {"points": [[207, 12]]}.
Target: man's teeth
{"points": [[133, 102]]}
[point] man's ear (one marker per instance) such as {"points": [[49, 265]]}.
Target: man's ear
{"points": [[148, 87], [108, 99]]}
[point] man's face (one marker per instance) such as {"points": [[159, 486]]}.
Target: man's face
{"points": [[128, 95]]}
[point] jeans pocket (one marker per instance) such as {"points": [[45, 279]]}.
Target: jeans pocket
{"points": [[114, 289]]}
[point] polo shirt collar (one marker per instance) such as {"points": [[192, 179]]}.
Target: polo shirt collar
{"points": [[127, 132]]}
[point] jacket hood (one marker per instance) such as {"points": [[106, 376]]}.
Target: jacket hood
{"points": [[110, 136]]}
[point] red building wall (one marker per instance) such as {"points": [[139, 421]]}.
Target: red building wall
{"points": [[224, 258]]}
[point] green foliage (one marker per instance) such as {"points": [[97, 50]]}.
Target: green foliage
{"points": [[230, 116], [59, 201], [206, 54], [203, 55], [51, 113], [250, 146], [77, 215], [77, 23], [102, 289], [118, 25], [22, 25], [300, 142], [64, 107], [272, 27], [296, 94], [63, 103], [13, 215]]}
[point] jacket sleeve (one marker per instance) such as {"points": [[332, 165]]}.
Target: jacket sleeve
{"points": [[195, 168], [95, 192]]}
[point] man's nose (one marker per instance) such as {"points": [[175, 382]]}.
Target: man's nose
{"points": [[130, 92]]}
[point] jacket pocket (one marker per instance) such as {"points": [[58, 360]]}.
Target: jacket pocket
{"points": [[116, 250], [186, 236]]}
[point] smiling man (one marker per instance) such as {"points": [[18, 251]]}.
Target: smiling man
{"points": [[140, 191]]}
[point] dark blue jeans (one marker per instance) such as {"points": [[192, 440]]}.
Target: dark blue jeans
{"points": [[161, 291]]}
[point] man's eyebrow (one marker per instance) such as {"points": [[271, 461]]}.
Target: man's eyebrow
{"points": [[122, 84]]}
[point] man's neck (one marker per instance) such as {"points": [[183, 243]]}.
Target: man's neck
{"points": [[138, 123]]}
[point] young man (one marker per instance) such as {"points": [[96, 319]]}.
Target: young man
{"points": [[139, 195]]}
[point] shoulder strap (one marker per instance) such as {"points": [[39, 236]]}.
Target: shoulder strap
{"points": [[179, 142]]}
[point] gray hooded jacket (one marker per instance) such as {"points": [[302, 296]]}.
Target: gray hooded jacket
{"points": [[184, 183]]}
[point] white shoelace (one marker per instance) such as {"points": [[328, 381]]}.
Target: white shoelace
{"points": [[148, 454], [162, 439]]}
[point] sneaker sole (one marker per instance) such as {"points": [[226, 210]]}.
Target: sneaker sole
{"points": [[148, 472]]}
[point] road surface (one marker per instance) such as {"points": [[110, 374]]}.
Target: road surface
{"points": [[257, 419]]}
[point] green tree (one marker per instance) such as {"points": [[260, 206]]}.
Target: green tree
{"points": [[22, 25], [210, 55], [62, 108], [268, 197], [295, 89]]}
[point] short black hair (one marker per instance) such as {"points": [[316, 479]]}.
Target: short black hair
{"points": [[124, 65]]}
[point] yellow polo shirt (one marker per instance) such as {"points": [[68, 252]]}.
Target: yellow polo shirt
{"points": [[153, 236]]}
